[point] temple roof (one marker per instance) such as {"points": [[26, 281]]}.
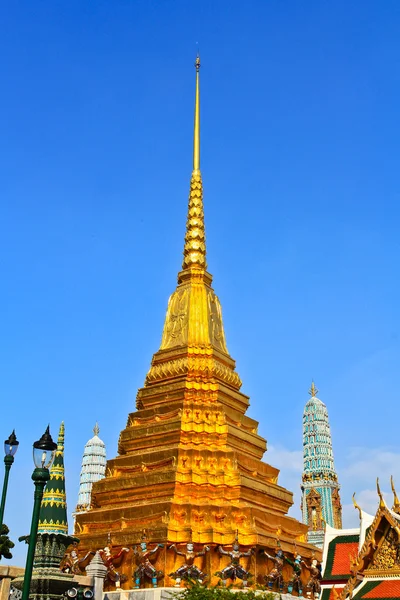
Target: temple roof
{"points": [[379, 589], [338, 557], [366, 559]]}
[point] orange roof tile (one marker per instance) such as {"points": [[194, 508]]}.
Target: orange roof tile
{"points": [[390, 588], [341, 559]]}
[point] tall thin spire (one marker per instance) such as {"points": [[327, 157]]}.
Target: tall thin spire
{"points": [[53, 512], [194, 252], [196, 136], [320, 487]]}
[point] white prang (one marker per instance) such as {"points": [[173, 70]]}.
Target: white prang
{"points": [[93, 468]]}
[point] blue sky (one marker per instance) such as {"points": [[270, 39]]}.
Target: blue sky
{"points": [[300, 150]]}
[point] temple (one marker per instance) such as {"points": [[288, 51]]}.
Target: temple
{"points": [[93, 468], [189, 465], [364, 562], [320, 501]]}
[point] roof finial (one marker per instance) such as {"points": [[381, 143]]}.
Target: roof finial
{"points": [[357, 506], [96, 429], [313, 390], [396, 501], [382, 503]]}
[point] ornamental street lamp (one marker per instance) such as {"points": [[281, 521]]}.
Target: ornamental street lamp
{"points": [[44, 451], [10, 448]]}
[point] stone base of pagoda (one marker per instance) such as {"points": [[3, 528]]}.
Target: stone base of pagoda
{"points": [[168, 593]]}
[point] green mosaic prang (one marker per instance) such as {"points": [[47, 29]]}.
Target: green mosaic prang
{"points": [[318, 464], [53, 512]]}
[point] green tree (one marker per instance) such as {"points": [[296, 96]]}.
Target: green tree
{"points": [[5, 543], [196, 591]]}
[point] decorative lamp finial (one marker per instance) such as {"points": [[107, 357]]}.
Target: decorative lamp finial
{"points": [[382, 503], [96, 429], [396, 501], [313, 391]]}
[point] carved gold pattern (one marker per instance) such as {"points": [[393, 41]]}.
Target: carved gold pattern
{"points": [[194, 253], [202, 368], [388, 555]]}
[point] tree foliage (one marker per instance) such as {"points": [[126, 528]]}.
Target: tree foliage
{"points": [[196, 591], [5, 543]]}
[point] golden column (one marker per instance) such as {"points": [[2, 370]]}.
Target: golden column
{"points": [[189, 462]]}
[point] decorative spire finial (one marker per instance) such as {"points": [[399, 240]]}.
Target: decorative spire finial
{"points": [[196, 137], [313, 390], [396, 501], [382, 503], [96, 429], [194, 252], [356, 505]]}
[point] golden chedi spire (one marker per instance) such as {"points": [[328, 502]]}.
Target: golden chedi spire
{"points": [[194, 316], [189, 464], [194, 253]]}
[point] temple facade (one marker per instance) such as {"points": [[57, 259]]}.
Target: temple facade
{"points": [[364, 562], [189, 467], [320, 502], [93, 469]]}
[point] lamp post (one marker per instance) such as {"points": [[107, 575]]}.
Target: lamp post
{"points": [[44, 451], [10, 448]]}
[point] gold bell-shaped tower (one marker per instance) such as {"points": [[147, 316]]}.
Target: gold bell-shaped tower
{"points": [[189, 466]]}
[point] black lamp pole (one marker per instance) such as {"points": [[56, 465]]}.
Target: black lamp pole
{"points": [[10, 448], [44, 451]]}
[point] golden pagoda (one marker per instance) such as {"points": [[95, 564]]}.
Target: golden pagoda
{"points": [[189, 465]]}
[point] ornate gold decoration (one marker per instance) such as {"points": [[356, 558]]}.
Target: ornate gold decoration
{"points": [[382, 503], [387, 556], [314, 510], [357, 506], [202, 368], [313, 390]]}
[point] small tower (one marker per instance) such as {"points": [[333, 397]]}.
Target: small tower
{"points": [[93, 468], [53, 512], [320, 501]]}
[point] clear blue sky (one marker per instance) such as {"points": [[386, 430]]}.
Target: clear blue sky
{"points": [[300, 162]]}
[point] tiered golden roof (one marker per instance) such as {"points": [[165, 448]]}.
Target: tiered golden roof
{"points": [[189, 465]]}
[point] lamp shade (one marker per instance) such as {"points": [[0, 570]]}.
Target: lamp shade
{"points": [[11, 445], [44, 451]]}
